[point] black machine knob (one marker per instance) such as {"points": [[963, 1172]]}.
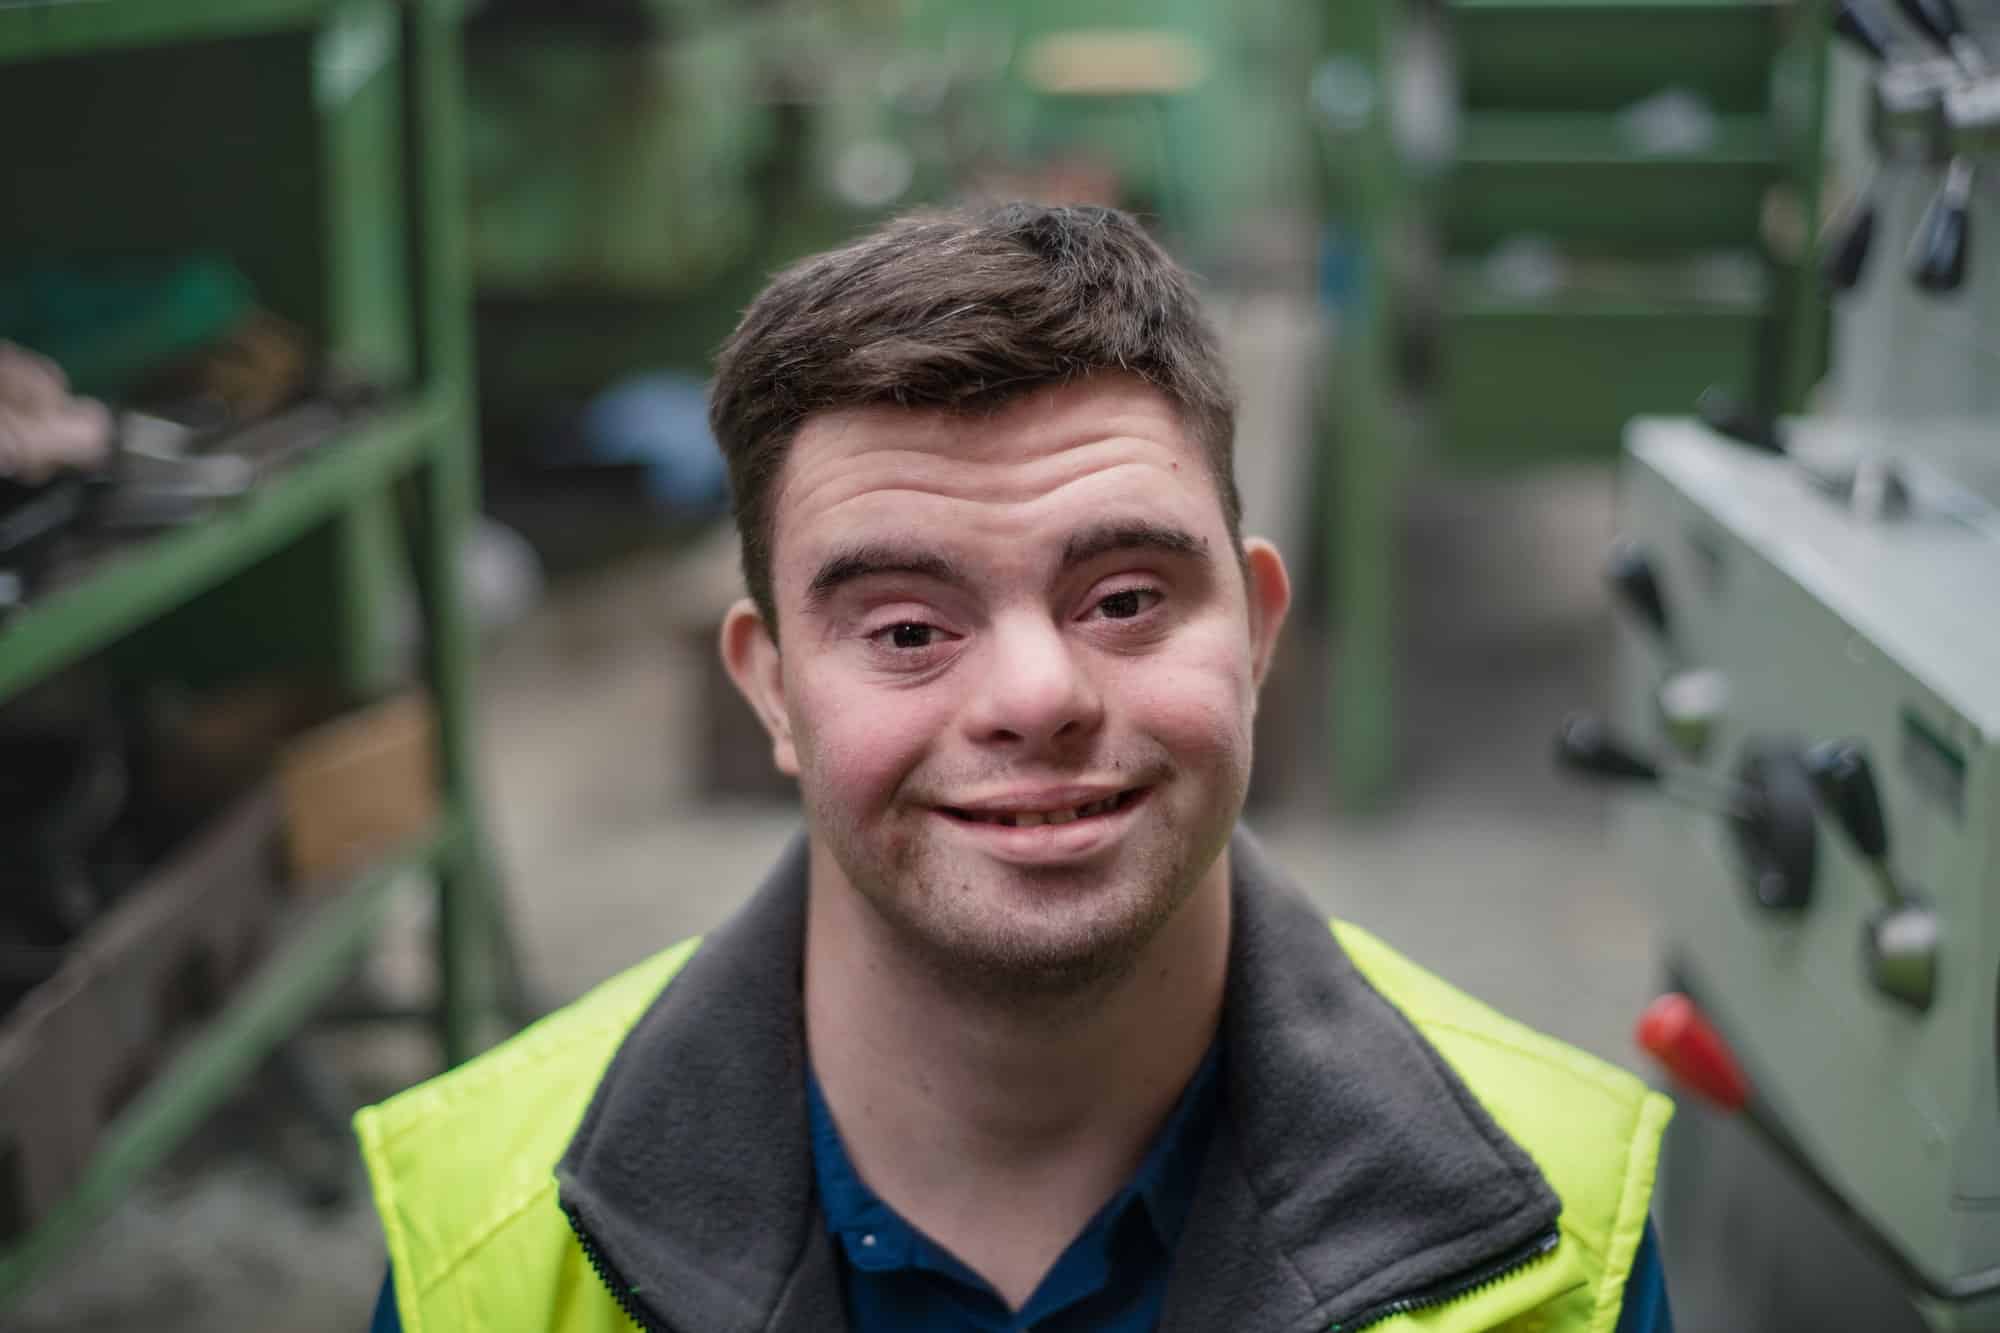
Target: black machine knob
{"points": [[1844, 250], [1768, 806], [1636, 584], [1776, 834], [1939, 251], [1586, 746], [1845, 782], [1861, 24], [1725, 414], [1936, 19]]}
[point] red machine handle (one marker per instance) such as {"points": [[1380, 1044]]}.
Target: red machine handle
{"points": [[1674, 1032]]}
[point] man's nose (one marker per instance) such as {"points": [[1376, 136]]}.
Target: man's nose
{"points": [[1037, 689]]}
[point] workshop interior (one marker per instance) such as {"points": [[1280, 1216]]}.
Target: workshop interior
{"points": [[1619, 378]]}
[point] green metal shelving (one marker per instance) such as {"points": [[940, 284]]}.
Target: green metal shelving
{"points": [[370, 93], [144, 581], [1552, 155], [317, 954], [40, 29]]}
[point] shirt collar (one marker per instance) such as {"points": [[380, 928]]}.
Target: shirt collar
{"points": [[877, 1238]]}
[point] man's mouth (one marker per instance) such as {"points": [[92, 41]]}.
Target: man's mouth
{"points": [[1059, 815]]}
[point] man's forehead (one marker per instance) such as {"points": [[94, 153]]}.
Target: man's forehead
{"points": [[880, 456], [1043, 420]]}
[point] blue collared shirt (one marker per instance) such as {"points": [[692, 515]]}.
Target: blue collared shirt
{"points": [[1111, 1279]]}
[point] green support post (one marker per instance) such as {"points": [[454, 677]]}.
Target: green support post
{"points": [[274, 1003], [476, 952], [1807, 330], [1358, 420], [365, 543]]}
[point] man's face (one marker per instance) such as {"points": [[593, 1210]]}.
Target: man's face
{"points": [[1018, 671]]}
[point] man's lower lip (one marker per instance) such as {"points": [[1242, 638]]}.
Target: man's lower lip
{"points": [[1050, 842]]}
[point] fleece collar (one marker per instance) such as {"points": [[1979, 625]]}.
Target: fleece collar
{"points": [[1349, 1167]]}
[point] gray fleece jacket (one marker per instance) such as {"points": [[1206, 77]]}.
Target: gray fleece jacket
{"points": [[1350, 1169]]}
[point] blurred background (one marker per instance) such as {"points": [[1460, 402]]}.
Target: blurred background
{"points": [[362, 546]]}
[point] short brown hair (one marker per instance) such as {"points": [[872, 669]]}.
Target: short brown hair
{"points": [[964, 311]]}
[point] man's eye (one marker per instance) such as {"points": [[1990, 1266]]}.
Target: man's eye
{"points": [[910, 635], [1127, 604]]}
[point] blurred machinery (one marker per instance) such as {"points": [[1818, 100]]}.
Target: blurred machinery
{"points": [[1810, 676]]}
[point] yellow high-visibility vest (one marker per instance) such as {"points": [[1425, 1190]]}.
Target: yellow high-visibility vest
{"points": [[462, 1166]]}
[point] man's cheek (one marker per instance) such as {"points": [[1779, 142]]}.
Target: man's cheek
{"points": [[1198, 703], [861, 747]]}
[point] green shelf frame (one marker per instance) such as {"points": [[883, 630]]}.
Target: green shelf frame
{"points": [[1583, 139], [399, 481], [43, 29], [1542, 83], [313, 959], [1622, 7], [46, 29], [147, 578]]}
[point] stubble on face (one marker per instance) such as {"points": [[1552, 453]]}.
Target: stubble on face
{"points": [[1020, 935]]}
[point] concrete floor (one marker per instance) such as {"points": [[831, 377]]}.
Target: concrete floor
{"points": [[1487, 867]]}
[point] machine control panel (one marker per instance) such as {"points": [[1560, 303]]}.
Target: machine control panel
{"points": [[1813, 684]]}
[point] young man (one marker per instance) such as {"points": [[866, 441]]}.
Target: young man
{"points": [[1023, 1033]]}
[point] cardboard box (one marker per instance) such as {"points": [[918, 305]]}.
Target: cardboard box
{"points": [[359, 787]]}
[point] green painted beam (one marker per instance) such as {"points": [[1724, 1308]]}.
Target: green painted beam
{"points": [[39, 29], [1361, 429], [154, 576], [1573, 138], [307, 967], [1633, 7]]}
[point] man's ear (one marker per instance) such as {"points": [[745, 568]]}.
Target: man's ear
{"points": [[750, 655], [1270, 591]]}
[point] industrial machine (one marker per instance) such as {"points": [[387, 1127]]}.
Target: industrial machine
{"points": [[1809, 681]]}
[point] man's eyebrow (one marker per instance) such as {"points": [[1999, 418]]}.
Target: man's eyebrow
{"points": [[844, 567], [1132, 536]]}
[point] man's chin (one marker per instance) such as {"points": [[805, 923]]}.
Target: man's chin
{"points": [[1016, 926], [1021, 966], [1039, 931]]}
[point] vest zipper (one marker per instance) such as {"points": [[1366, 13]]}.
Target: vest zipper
{"points": [[619, 1289], [1455, 1288]]}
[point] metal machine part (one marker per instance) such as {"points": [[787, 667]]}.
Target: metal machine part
{"points": [[1692, 705], [1940, 110], [1778, 840], [1856, 979]]}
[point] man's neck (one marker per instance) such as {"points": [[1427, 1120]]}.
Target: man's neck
{"points": [[996, 1126]]}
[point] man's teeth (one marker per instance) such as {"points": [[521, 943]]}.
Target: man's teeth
{"points": [[1037, 818]]}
